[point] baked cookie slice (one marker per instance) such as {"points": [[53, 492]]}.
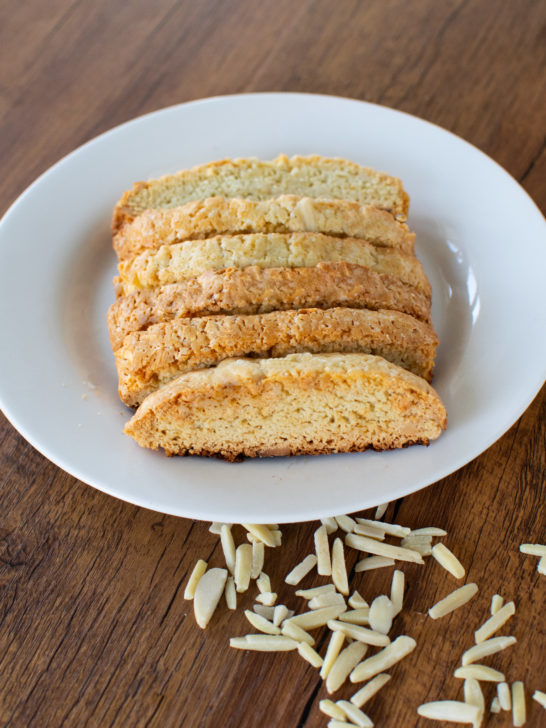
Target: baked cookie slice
{"points": [[261, 290], [174, 263], [150, 359], [312, 176], [234, 216], [295, 405]]}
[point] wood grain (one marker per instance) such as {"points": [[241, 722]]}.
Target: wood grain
{"points": [[93, 626]]}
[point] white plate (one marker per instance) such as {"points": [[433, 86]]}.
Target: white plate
{"points": [[480, 237]]}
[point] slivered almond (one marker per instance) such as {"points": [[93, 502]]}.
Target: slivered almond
{"points": [[324, 564], [380, 511], [389, 656], [329, 708], [372, 531], [381, 614], [448, 560], [354, 714], [479, 672], [397, 591], [371, 546], [258, 553], [315, 591], [346, 523], [267, 598], [473, 695], [495, 622], [264, 643], [345, 662], [485, 648], [296, 633], [228, 547], [356, 601], [243, 565], [262, 533], [519, 709], [309, 654], [496, 603], [339, 568], [197, 572], [362, 634], [370, 689], [334, 648], [428, 531], [504, 696], [230, 593], [373, 562], [453, 601], [260, 623], [301, 570], [393, 529], [452, 711], [330, 599], [280, 613], [356, 616], [317, 617], [207, 595], [330, 524]]}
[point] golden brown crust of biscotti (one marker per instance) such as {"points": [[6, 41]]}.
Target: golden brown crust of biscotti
{"points": [[261, 290], [288, 213], [312, 176], [174, 263], [300, 404], [149, 359]]}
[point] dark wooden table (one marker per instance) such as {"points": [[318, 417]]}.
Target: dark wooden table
{"points": [[93, 626]]}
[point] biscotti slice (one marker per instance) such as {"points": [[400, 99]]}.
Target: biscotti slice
{"points": [[261, 290], [174, 263], [149, 359], [285, 214], [312, 176], [300, 404]]}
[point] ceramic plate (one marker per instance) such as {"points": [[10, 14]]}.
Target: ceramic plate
{"points": [[480, 238]]}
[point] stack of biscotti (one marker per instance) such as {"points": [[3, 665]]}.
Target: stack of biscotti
{"points": [[270, 308]]}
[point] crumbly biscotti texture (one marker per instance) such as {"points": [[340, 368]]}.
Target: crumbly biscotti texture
{"points": [[261, 290], [174, 263], [285, 214], [300, 404], [149, 359], [312, 176]]}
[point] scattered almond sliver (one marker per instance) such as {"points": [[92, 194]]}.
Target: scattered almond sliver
{"points": [[264, 643], [258, 554], [317, 617], [263, 582], [479, 672], [381, 614], [330, 524], [540, 697], [301, 570], [280, 613], [344, 663], [397, 591], [452, 711], [421, 544], [504, 695], [334, 648], [322, 548], [495, 622], [210, 588], [495, 705], [393, 529], [473, 695], [448, 560], [296, 633], [373, 562], [519, 710], [380, 511], [267, 598], [315, 591], [339, 568], [488, 647], [453, 601], [428, 531], [371, 546], [370, 689], [262, 533], [261, 623], [309, 654], [533, 549], [346, 523], [362, 634], [243, 566], [330, 599], [329, 708], [356, 616], [356, 601], [230, 593], [372, 531], [389, 656], [228, 546], [198, 571], [496, 603], [355, 715]]}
